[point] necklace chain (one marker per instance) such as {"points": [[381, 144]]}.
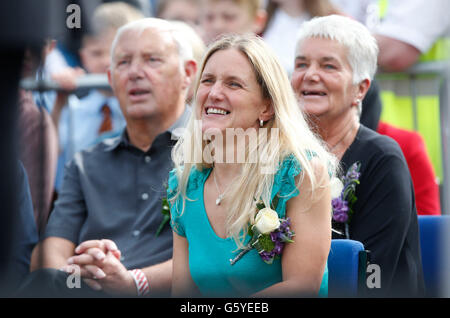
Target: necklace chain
{"points": [[221, 195]]}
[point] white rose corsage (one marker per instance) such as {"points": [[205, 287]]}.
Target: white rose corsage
{"points": [[268, 234]]}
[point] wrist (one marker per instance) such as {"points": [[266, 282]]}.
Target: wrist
{"points": [[140, 281]]}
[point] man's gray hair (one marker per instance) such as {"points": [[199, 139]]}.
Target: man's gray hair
{"points": [[139, 26], [361, 45]]}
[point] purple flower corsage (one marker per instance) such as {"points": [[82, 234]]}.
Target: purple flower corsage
{"points": [[343, 195]]}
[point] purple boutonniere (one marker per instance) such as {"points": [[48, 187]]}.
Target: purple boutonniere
{"points": [[343, 195]]}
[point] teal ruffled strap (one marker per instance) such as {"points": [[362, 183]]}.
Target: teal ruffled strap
{"points": [[284, 183], [172, 184], [196, 180], [289, 170], [175, 207]]}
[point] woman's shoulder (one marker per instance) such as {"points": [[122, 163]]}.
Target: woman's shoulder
{"points": [[377, 140], [370, 143], [288, 165], [284, 180], [374, 152], [291, 165]]}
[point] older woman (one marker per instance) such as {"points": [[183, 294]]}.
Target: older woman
{"points": [[335, 60], [223, 201]]}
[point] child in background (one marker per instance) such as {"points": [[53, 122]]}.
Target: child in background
{"points": [[83, 122], [187, 11], [284, 19], [185, 15], [198, 49], [231, 16]]}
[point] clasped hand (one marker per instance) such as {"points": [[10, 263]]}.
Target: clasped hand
{"points": [[101, 268]]}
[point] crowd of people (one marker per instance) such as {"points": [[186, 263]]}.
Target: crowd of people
{"points": [[294, 81]]}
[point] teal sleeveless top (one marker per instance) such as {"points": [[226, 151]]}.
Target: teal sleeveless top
{"points": [[209, 254]]}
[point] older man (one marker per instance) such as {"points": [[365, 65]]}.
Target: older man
{"points": [[110, 201]]}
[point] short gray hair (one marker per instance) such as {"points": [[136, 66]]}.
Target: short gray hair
{"points": [[183, 46], [362, 47]]}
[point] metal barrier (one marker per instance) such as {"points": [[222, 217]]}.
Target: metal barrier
{"points": [[88, 81], [441, 73]]}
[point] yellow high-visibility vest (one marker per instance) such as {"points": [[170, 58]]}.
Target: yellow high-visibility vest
{"points": [[440, 50], [421, 113]]}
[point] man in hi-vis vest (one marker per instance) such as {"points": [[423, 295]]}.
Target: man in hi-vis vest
{"points": [[410, 33]]}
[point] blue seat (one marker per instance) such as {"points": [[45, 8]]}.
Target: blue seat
{"points": [[344, 268], [435, 250]]}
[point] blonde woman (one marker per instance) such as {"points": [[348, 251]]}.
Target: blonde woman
{"points": [[213, 191]]}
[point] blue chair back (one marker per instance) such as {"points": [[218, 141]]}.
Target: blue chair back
{"points": [[434, 249], [344, 268]]}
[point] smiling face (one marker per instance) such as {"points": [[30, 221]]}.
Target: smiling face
{"points": [[146, 76], [229, 95], [323, 78]]}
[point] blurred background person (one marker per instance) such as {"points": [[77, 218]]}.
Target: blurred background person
{"points": [[66, 53], [185, 16], [359, 10], [38, 140], [82, 122], [221, 17], [284, 18], [426, 190], [25, 235], [187, 11], [25, 24], [414, 33], [411, 101], [198, 49]]}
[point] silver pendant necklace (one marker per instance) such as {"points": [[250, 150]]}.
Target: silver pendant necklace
{"points": [[221, 195]]}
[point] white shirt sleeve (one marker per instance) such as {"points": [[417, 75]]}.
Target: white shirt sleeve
{"points": [[354, 8], [417, 22]]}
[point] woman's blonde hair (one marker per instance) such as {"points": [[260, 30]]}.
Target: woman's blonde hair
{"points": [[294, 138]]}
